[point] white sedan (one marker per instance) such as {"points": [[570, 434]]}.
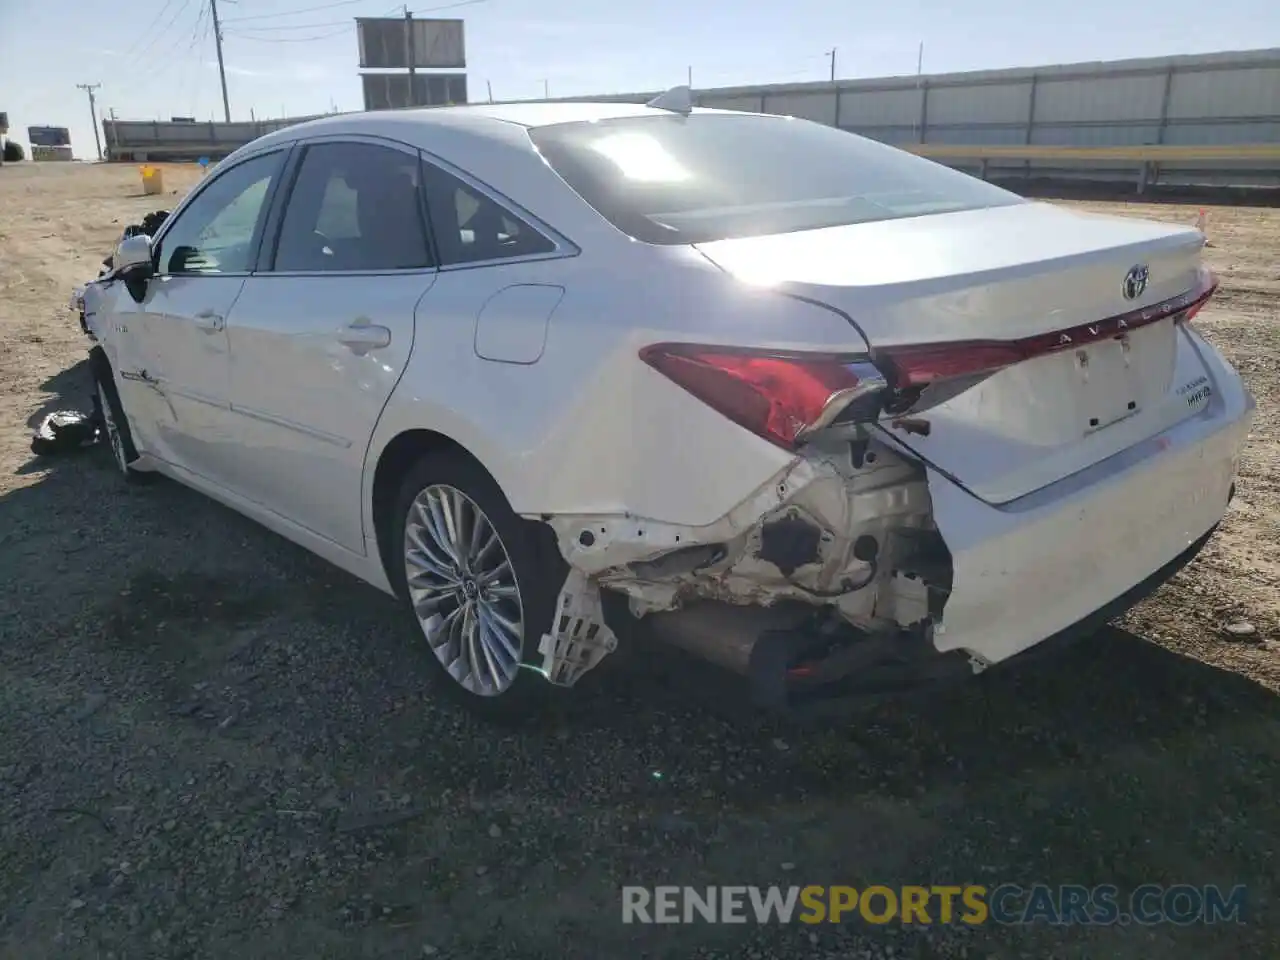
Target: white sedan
{"points": [[833, 416]]}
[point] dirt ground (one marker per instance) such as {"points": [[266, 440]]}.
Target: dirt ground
{"points": [[214, 745]]}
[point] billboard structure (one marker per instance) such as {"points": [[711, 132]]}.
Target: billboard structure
{"points": [[386, 91], [401, 43], [43, 153], [49, 136], [389, 45]]}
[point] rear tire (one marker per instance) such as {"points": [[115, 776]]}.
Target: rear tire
{"points": [[115, 426], [480, 582]]}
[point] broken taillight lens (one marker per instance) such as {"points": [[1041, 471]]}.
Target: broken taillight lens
{"points": [[782, 397]]}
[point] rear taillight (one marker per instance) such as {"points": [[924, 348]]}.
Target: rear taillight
{"points": [[918, 365], [1210, 287], [782, 397]]}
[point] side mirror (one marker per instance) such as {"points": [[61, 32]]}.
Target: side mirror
{"points": [[134, 263], [133, 257]]}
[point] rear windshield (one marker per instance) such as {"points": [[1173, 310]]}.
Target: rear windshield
{"points": [[714, 176]]}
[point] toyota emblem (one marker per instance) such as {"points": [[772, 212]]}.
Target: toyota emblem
{"points": [[1135, 281]]}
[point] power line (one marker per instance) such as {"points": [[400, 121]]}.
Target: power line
{"points": [[138, 40], [322, 36], [346, 26], [331, 6], [199, 33], [296, 26], [451, 6], [199, 84], [141, 56], [294, 13], [172, 48]]}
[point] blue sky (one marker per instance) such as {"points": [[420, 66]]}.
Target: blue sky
{"points": [[155, 58]]}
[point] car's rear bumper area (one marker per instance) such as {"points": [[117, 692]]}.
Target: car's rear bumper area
{"points": [[771, 688], [1029, 570]]}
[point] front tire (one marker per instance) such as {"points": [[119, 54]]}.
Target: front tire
{"points": [[115, 426], [480, 582]]}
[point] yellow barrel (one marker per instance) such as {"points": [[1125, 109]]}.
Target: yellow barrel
{"points": [[152, 180]]}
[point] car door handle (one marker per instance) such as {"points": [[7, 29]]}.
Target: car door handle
{"points": [[363, 337], [210, 322]]}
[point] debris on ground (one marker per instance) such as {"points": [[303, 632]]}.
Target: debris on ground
{"points": [[66, 431], [1240, 630]]}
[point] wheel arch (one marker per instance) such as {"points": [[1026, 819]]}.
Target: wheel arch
{"points": [[101, 365], [395, 459], [99, 362], [393, 462]]}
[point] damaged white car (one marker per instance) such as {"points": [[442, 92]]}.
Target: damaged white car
{"points": [[830, 415]]}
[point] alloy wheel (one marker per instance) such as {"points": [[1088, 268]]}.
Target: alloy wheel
{"points": [[464, 590]]}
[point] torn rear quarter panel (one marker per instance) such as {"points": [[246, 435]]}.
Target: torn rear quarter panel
{"points": [[847, 526]]}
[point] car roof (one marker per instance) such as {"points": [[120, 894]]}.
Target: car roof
{"points": [[483, 120], [537, 114], [489, 142]]}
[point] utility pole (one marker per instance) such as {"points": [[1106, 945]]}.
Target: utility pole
{"points": [[689, 76], [546, 90], [920, 59], [222, 70], [832, 54], [489, 86], [409, 56], [91, 89]]}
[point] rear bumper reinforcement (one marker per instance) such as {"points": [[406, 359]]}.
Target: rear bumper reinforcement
{"points": [[918, 664]]}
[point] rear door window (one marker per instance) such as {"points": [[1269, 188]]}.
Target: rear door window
{"points": [[472, 227]]}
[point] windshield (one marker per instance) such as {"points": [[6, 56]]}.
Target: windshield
{"points": [[715, 176]]}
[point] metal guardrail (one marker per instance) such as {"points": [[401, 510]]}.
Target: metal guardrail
{"points": [[1146, 160], [1154, 153]]}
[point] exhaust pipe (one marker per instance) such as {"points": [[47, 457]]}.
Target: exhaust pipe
{"points": [[723, 633]]}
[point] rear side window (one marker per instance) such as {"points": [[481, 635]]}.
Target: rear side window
{"points": [[708, 176], [471, 227], [354, 206]]}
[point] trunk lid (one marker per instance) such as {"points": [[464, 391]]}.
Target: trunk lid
{"points": [[1078, 310]]}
